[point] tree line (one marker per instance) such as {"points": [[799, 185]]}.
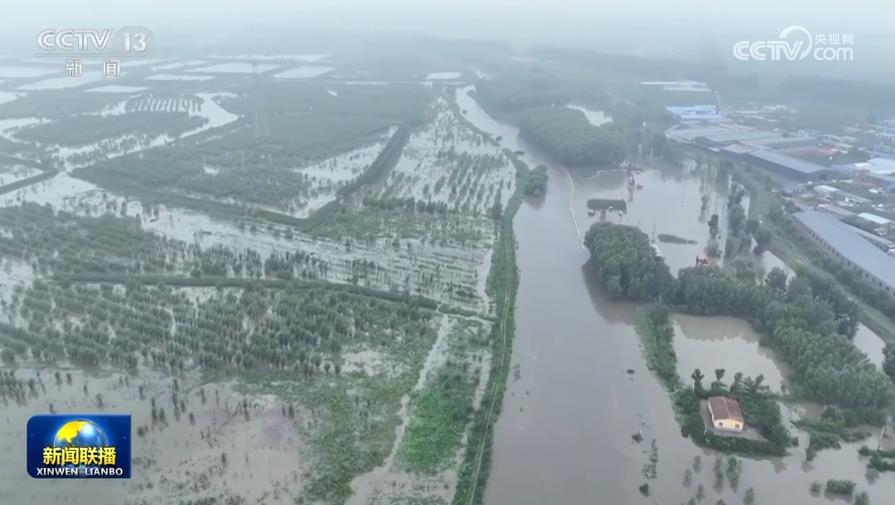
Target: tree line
{"points": [[568, 136], [804, 319]]}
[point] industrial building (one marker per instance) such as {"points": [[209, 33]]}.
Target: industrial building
{"points": [[696, 113], [760, 147], [789, 166], [842, 243]]}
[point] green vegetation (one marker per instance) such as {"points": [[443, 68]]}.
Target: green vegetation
{"points": [[87, 129], [840, 487], [282, 130], [627, 263], [800, 325], [872, 295], [256, 162], [141, 319], [503, 280], [889, 360], [880, 460], [442, 409], [56, 104], [568, 136], [760, 409], [440, 414], [536, 184], [656, 333], [829, 429], [801, 320], [815, 488], [673, 239], [877, 308], [518, 89]]}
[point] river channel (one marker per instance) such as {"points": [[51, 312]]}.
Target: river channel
{"points": [[580, 387]]}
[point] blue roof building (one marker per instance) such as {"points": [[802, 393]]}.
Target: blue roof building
{"points": [[840, 241]]}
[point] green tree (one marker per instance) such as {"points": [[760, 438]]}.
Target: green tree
{"points": [[776, 280], [889, 360], [749, 497]]}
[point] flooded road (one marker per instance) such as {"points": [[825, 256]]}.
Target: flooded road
{"points": [[565, 431]]}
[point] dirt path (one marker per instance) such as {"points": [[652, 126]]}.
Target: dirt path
{"points": [[364, 486]]}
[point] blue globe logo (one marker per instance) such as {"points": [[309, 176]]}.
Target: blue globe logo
{"points": [[80, 433]]}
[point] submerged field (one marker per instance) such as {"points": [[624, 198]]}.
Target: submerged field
{"points": [[284, 282]]}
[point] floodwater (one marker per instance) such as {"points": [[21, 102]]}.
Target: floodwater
{"points": [[434, 76], [870, 344], [310, 57], [304, 72], [22, 71], [662, 200], [710, 343], [564, 432], [117, 89], [62, 82], [175, 77], [177, 457], [235, 68], [177, 64], [7, 97], [596, 117]]}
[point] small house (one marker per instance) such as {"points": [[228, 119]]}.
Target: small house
{"points": [[726, 414]]}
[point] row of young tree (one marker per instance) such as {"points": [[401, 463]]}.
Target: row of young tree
{"points": [[806, 320], [160, 327]]}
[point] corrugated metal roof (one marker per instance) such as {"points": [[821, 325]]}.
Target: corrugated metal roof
{"points": [[738, 149], [873, 218], [850, 245], [790, 162], [780, 141], [739, 136]]}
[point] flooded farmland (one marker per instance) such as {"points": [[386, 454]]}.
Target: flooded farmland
{"points": [[180, 432], [568, 417]]}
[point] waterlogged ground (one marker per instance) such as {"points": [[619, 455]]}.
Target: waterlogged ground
{"points": [[571, 406], [450, 164], [200, 443], [660, 199], [270, 439]]}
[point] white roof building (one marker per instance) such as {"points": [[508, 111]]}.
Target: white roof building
{"points": [[873, 218]]}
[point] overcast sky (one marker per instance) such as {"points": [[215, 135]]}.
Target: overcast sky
{"points": [[641, 26]]}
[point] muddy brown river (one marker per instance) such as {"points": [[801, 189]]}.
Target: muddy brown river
{"points": [[564, 435]]}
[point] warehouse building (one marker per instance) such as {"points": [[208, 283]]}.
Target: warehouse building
{"points": [[841, 242], [789, 166]]}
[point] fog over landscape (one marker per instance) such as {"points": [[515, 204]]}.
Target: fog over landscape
{"points": [[447, 252], [686, 28]]}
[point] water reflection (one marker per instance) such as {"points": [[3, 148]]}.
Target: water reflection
{"points": [[565, 430], [710, 343]]}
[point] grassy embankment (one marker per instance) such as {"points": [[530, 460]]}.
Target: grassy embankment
{"points": [[503, 280]]}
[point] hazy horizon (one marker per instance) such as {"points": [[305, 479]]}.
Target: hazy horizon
{"points": [[684, 29]]}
